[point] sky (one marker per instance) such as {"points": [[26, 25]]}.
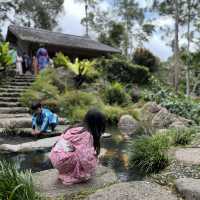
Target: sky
{"points": [[69, 22]]}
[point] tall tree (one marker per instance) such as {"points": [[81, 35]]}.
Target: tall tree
{"points": [[36, 13], [175, 10], [130, 13]]}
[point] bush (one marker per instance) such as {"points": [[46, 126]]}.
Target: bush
{"points": [[74, 101], [61, 60], [115, 94], [113, 113], [149, 154], [145, 58], [5, 57], [182, 136], [121, 70], [16, 185]]}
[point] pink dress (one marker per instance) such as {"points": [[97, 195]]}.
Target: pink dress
{"points": [[79, 165]]}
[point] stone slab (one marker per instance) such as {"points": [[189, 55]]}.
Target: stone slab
{"points": [[138, 190], [188, 155], [5, 94], [9, 104], [41, 144], [189, 188], [13, 110], [48, 185], [3, 116]]}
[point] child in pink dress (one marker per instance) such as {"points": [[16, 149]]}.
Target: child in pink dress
{"points": [[75, 153]]}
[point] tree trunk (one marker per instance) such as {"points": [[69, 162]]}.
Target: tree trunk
{"points": [[86, 17], [176, 53], [188, 50]]}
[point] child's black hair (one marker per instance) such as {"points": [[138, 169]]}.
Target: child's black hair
{"points": [[36, 105]]}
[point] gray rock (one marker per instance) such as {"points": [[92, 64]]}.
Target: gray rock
{"points": [[188, 155], [48, 185], [41, 144], [20, 122], [128, 125], [189, 188], [138, 190], [177, 124], [163, 118]]}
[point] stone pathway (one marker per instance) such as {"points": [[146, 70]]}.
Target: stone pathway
{"points": [[48, 185], [12, 114]]}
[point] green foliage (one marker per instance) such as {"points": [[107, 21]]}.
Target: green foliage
{"points": [[182, 136], [175, 103], [60, 60], [148, 153], [5, 57], [42, 89], [121, 70], [145, 58], [115, 94], [113, 113], [74, 104], [16, 185]]}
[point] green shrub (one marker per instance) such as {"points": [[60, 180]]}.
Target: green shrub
{"points": [[182, 136], [149, 154], [16, 185], [120, 69], [113, 113], [145, 58], [60, 60], [115, 94], [74, 101], [5, 57]]}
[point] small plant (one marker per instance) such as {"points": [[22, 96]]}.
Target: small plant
{"points": [[115, 94], [5, 57], [61, 60], [182, 136], [149, 154], [16, 185]]}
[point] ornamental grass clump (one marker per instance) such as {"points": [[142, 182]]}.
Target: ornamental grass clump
{"points": [[16, 185], [149, 153]]}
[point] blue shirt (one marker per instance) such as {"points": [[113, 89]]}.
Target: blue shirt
{"points": [[44, 119]]}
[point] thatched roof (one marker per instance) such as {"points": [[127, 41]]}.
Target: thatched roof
{"points": [[58, 39]]}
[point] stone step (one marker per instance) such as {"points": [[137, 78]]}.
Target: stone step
{"points": [[9, 104], [3, 116], [188, 188], [13, 110], [22, 122], [41, 144], [9, 99], [27, 131], [15, 87], [6, 94], [12, 90], [19, 83]]}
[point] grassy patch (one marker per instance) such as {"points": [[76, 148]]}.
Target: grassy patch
{"points": [[16, 185]]}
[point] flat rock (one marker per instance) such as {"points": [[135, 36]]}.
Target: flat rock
{"points": [[138, 190], [188, 155], [49, 186], [189, 188], [41, 144], [13, 110]]}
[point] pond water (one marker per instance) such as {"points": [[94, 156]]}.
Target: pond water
{"points": [[115, 156]]}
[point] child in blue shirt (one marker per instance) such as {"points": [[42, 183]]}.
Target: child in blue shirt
{"points": [[42, 119]]}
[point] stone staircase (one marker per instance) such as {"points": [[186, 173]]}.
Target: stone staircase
{"points": [[13, 116]]}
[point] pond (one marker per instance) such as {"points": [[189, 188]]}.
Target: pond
{"points": [[115, 156]]}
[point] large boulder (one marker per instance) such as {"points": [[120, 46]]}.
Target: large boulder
{"points": [[189, 188], [163, 118], [136, 190], [128, 125]]}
